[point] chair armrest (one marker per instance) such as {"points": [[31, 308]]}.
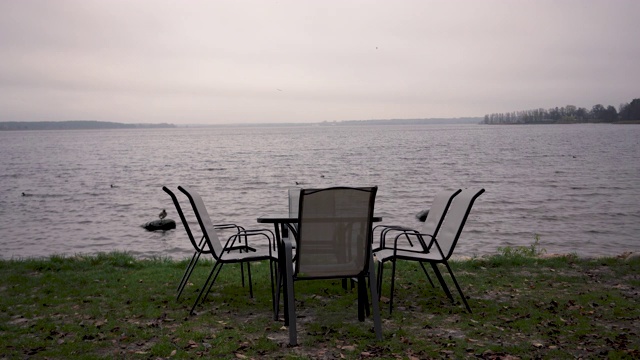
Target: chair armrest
{"points": [[418, 235], [227, 226], [386, 229], [246, 234]]}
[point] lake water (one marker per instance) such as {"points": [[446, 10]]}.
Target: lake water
{"points": [[577, 187]]}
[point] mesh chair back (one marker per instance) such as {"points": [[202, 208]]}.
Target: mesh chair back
{"points": [[185, 223], [455, 219], [208, 231], [334, 232], [438, 209], [294, 201]]}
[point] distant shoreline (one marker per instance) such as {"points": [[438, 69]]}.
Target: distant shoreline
{"points": [[97, 125], [106, 125], [621, 122], [75, 125]]}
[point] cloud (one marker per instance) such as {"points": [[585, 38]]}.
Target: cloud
{"points": [[285, 60]]}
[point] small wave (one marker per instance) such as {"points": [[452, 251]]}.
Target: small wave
{"points": [[595, 231], [43, 195]]}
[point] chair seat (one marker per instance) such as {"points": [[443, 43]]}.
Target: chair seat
{"points": [[386, 254], [259, 254]]}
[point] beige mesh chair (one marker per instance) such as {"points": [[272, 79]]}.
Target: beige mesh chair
{"points": [[220, 251], [424, 238], [294, 202], [201, 247], [441, 246], [289, 232], [334, 242]]}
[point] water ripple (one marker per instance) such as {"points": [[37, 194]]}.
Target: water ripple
{"points": [[574, 186]]}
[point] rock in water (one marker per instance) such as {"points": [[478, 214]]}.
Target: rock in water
{"points": [[422, 215], [164, 224]]}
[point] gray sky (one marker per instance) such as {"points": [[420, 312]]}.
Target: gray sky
{"points": [[254, 61]]}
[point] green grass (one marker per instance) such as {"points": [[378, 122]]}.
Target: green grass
{"points": [[116, 306]]}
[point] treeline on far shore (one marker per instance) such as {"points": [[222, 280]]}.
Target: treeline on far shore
{"points": [[626, 113], [75, 125]]}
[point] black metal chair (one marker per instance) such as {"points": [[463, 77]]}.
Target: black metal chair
{"points": [[440, 247], [334, 242], [434, 219], [236, 249], [200, 247]]}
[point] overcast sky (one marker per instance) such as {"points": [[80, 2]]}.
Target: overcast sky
{"points": [[257, 61]]}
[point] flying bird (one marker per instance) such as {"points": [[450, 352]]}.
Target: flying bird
{"points": [[163, 214]]}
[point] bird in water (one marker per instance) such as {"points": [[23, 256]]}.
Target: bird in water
{"points": [[163, 214]]}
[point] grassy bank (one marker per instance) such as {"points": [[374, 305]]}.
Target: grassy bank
{"points": [[114, 306]]}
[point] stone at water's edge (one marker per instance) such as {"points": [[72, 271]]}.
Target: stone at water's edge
{"points": [[164, 224]]}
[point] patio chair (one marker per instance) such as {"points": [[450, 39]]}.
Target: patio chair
{"points": [[334, 242], [440, 247], [435, 216], [200, 247], [289, 232], [222, 252], [294, 200]]}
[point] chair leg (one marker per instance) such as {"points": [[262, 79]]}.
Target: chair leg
{"points": [[377, 324], [380, 269], [276, 304], [363, 301], [212, 282], [434, 266], [426, 273], [273, 295], [367, 311], [393, 281], [204, 287], [291, 310], [458, 287], [250, 282], [242, 273], [187, 273]]}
